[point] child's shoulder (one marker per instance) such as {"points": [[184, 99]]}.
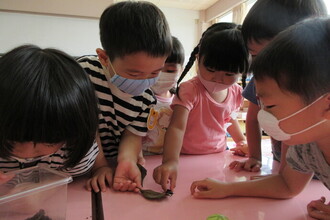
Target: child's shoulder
{"points": [[91, 60], [237, 88], [191, 85]]}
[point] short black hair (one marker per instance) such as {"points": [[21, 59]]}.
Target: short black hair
{"points": [[267, 18], [177, 54], [46, 97], [129, 27], [298, 59]]}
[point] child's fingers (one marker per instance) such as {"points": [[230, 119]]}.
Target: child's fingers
{"points": [[164, 180], [88, 185], [256, 168], [108, 177], [101, 183], [197, 186], [92, 185], [233, 164], [138, 182], [157, 176], [173, 182]]}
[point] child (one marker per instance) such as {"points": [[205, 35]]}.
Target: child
{"points": [[136, 42], [48, 112], [205, 104], [258, 30], [159, 116], [292, 82]]}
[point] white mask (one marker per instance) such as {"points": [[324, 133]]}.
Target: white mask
{"points": [[165, 82], [270, 124], [213, 87]]}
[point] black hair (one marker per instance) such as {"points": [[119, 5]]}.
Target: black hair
{"points": [[267, 18], [129, 27], [46, 97], [298, 59], [177, 54], [221, 48]]}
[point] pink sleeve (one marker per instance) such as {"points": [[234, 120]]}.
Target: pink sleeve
{"points": [[187, 96]]}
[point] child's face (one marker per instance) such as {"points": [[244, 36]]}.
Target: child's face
{"points": [[223, 77], [255, 47], [174, 68], [281, 104], [25, 150], [136, 66]]}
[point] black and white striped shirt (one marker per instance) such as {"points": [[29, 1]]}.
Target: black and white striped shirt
{"points": [[53, 161], [118, 110]]}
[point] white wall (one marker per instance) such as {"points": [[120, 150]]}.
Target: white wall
{"points": [[80, 36]]}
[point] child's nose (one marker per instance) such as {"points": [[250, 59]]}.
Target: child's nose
{"points": [[219, 79]]}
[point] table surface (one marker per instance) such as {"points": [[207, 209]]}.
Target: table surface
{"points": [[182, 206]]}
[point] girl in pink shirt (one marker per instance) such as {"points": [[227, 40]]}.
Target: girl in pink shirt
{"points": [[205, 106]]}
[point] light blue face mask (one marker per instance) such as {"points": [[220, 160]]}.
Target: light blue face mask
{"points": [[133, 87]]}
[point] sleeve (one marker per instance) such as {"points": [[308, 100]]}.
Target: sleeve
{"points": [[295, 158], [187, 96], [86, 163], [250, 92], [139, 125]]}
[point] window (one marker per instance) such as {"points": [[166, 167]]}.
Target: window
{"points": [[228, 17]]}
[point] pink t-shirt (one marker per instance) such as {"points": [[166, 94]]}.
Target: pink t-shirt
{"points": [[205, 130]]}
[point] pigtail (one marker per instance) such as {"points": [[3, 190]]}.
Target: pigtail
{"points": [[187, 67], [244, 76]]}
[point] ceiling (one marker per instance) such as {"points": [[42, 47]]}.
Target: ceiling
{"points": [[183, 4]]}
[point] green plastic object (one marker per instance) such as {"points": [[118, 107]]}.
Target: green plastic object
{"points": [[217, 217]]}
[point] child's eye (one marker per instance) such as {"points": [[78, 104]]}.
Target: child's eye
{"points": [[230, 74], [155, 73], [210, 70], [269, 106], [170, 71]]}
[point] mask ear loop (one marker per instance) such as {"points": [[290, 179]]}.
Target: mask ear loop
{"points": [[297, 112], [306, 129], [113, 69]]}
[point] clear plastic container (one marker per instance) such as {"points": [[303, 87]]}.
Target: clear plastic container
{"points": [[34, 193]]}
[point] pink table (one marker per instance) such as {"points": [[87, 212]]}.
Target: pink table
{"points": [[182, 206]]}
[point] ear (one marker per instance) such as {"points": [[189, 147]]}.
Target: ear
{"points": [[327, 110], [103, 57]]}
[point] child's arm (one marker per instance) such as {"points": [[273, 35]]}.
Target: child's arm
{"points": [[236, 133], [101, 172], [127, 176], [172, 147], [281, 186], [284, 149], [253, 135]]}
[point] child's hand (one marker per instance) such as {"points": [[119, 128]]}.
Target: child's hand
{"points": [[5, 177], [208, 188], [250, 164], [127, 177], [318, 209], [100, 178], [166, 173], [240, 150]]}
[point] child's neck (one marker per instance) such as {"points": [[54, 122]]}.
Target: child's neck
{"points": [[220, 96]]}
